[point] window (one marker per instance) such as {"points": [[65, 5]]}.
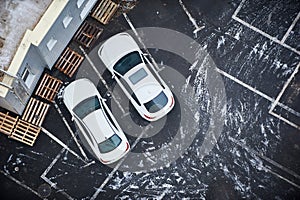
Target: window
{"points": [[67, 21], [87, 106], [85, 11], [79, 3], [127, 62], [51, 44], [27, 77], [157, 103], [110, 144], [137, 76]]}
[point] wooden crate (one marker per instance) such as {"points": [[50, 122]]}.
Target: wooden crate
{"points": [[35, 112], [87, 34], [69, 61], [25, 132], [49, 87], [7, 123], [104, 11]]}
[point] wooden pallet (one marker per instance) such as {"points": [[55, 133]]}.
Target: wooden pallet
{"points": [[104, 11], [7, 123], [35, 112], [69, 61], [48, 87], [87, 34], [25, 132]]}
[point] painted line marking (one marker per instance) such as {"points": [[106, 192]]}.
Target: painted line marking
{"points": [[270, 161], [281, 42], [102, 80], [238, 8], [290, 28], [20, 183], [262, 95], [47, 180], [58, 141], [71, 131], [192, 20], [99, 189], [284, 88], [157, 68], [285, 120]]}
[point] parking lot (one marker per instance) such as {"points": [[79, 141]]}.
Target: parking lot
{"points": [[234, 131]]}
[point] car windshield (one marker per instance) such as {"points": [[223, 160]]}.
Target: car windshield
{"points": [[127, 62], [157, 103], [137, 76], [87, 106], [110, 144]]}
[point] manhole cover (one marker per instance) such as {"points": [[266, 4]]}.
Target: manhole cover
{"points": [[44, 190]]}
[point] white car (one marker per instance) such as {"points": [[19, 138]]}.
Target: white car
{"points": [[99, 131], [136, 76]]}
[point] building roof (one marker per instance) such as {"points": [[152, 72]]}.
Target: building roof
{"points": [[16, 17]]}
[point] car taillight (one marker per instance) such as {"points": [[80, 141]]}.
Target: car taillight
{"points": [[148, 117], [127, 146], [172, 101], [104, 161]]}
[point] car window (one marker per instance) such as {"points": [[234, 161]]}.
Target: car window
{"points": [[157, 103], [87, 106], [110, 144], [137, 76], [127, 62]]}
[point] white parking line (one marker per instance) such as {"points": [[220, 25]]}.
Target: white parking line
{"points": [[262, 95], [281, 42], [47, 180], [62, 144], [284, 88], [70, 130], [285, 120], [270, 161], [290, 28], [141, 41], [20, 183], [102, 80], [99, 189], [197, 28]]}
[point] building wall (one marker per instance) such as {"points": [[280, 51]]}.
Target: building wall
{"points": [[39, 57], [59, 35]]}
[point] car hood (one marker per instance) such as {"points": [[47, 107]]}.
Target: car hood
{"points": [[116, 47], [72, 98], [95, 122]]}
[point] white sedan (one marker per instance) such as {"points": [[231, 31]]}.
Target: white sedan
{"points": [[136, 76], [99, 131]]}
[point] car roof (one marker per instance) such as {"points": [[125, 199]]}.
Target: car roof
{"points": [[98, 125], [145, 89]]}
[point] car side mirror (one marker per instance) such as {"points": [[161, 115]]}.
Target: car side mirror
{"points": [[72, 118], [113, 76]]}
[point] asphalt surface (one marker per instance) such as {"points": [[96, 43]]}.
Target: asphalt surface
{"points": [[221, 140]]}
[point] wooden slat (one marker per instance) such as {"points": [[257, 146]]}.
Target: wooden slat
{"points": [[104, 11], [7, 123], [88, 34], [35, 112], [69, 62], [25, 132], [48, 87]]}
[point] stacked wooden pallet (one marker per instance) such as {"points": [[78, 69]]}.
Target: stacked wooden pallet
{"points": [[7, 123], [69, 61], [87, 34], [49, 87], [104, 11]]}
